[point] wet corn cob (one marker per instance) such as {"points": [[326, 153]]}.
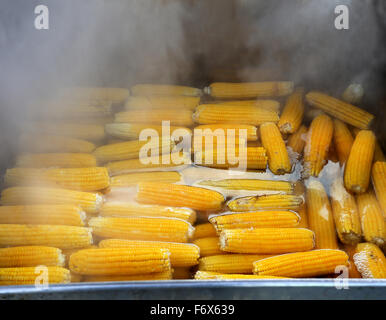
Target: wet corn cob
{"points": [[352, 269], [206, 275], [266, 240], [160, 89], [379, 181], [60, 160], [274, 202], [181, 254], [320, 218], [273, 107], [33, 275], [250, 184], [176, 117], [142, 228], [204, 230], [358, 167], [208, 246], [251, 131], [317, 144], [370, 261], [43, 214], [31, 256], [345, 212], [120, 261], [302, 264], [251, 115], [297, 140], [162, 102], [132, 179], [226, 90], [292, 115], [181, 273], [179, 196], [82, 179], [258, 219], [372, 220], [343, 140], [339, 109], [63, 237], [165, 275], [116, 95], [230, 263], [89, 202], [278, 159]]}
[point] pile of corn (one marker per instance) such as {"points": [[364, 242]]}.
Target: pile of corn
{"points": [[81, 202]]}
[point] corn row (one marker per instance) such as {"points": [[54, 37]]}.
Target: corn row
{"points": [[60, 160], [379, 182], [176, 117], [31, 256], [133, 179], [250, 184], [165, 275], [168, 90], [34, 275], [265, 202], [343, 141], [162, 102], [272, 107], [251, 131], [206, 275], [292, 115], [204, 230], [370, 261], [208, 246]]}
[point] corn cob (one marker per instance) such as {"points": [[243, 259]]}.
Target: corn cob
{"points": [[292, 115], [339, 109], [272, 107], [345, 212], [317, 144], [43, 214], [49, 143], [31, 275], [131, 131], [251, 115], [61, 160], [117, 95], [258, 219], [83, 179], [302, 264], [63, 237], [206, 275], [372, 220], [204, 230], [320, 218], [125, 209], [165, 275], [89, 202], [297, 140], [120, 261], [352, 269], [274, 202], [266, 240], [224, 90], [299, 190], [181, 254], [142, 228], [168, 90], [68, 252], [181, 273], [251, 131], [343, 140], [358, 167], [169, 194], [217, 140], [370, 261], [379, 182], [208, 246], [250, 184], [162, 102], [132, 179], [30, 256], [278, 159], [230, 263], [176, 117]]}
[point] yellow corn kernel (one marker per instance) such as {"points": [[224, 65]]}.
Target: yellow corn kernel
{"points": [[208, 246], [132, 179], [89, 202], [206, 275], [297, 140], [278, 159], [299, 190], [251, 115], [345, 212], [162, 102], [68, 252], [266, 240], [31, 256], [339, 109], [51, 143], [165, 275], [119, 261], [352, 269], [230, 263], [226, 90], [370, 261], [204, 230], [59, 214], [265, 202], [379, 182], [63, 237], [142, 228], [372, 221], [358, 166], [83, 179], [320, 218], [30, 275], [125, 209], [116, 95], [292, 115], [251, 131], [302, 264], [343, 140], [164, 89], [317, 144], [250, 184], [60, 160], [257, 219], [176, 117], [181, 273], [169, 194], [181, 254], [272, 107]]}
